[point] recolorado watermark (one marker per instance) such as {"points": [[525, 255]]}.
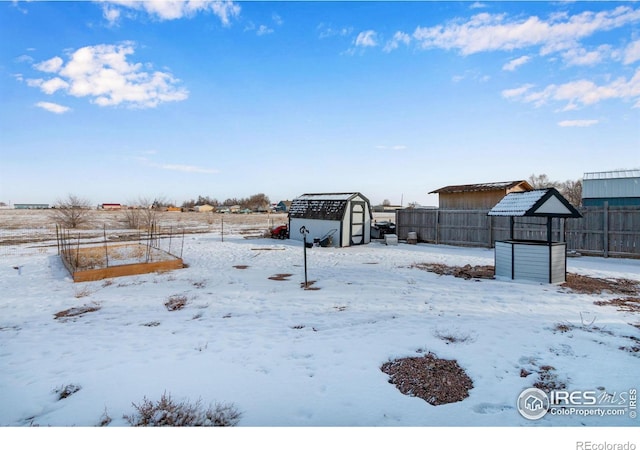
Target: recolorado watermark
{"points": [[589, 445], [534, 404]]}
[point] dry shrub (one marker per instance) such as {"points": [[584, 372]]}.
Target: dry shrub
{"points": [[76, 311], [437, 381], [166, 412], [66, 391], [176, 302]]}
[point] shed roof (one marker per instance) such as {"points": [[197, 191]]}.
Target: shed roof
{"points": [[540, 202], [479, 187], [322, 206]]}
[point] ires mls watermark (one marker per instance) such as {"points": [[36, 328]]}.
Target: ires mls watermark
{"points": [[534, 403]]}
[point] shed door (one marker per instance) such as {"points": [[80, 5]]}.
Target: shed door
{"points": [[357, 223]]}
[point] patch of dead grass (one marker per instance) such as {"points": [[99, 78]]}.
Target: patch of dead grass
{"points": [[467, 272], [592, 285], [76, 311]]}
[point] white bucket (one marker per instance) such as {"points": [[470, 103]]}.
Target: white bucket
{"points": [[412, 237]]}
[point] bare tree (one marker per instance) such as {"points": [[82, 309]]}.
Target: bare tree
{"points": [[71, 212], [541, 181], [142, 213], [572, 191]]}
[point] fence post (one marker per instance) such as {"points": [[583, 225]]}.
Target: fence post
{"points": [[605, 230], [437, 226]]}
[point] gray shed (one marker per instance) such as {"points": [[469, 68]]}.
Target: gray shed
{"points": [[344, 217], [542, 261]]}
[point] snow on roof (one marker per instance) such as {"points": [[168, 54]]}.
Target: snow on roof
{"points": [[339, 196], [517, 203], [321, 206], [540, 202]]}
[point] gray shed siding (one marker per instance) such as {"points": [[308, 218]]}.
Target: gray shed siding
{"points": [[317, 229], [533, 261]]}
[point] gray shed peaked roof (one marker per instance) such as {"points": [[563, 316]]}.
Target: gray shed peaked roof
{"points": [[537, 203], [322, 206]]}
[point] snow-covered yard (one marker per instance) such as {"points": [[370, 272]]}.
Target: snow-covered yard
{"points": [[287, 356]]}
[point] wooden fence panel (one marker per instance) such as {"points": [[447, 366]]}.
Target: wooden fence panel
{"points": [[601, 231]]}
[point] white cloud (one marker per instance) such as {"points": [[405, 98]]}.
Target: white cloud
{"points": [[581, 57], [103, 73], [478, 5], [326, 31], [632, 52], [277, 19], [53, 107], [111, 14], [515, 63], [366, 39], [51, 65], [225, 10], [263, 29], [516, 92], [580, 93], [490, 32], [578, 123], [398, 38]]}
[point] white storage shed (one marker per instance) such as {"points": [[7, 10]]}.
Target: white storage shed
{"points": [[542, 261], [332, 220]]}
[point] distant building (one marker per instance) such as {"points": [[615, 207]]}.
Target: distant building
{"points": [[616, 187], [478, 196], [31, 206], [203, 208], [282, 206], [111, 206]]}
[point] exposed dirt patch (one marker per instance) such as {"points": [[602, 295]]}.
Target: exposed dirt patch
{"points": [[309, 286], [467, 272], [76, 311], [437, 381], [628, 304], [591, 285], [281, 276], [548, 380]]}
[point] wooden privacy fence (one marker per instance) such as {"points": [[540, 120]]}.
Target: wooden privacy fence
{"points": [[602, 231]]}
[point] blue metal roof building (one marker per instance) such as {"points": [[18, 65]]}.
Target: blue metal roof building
{"points": [[617, 187]]}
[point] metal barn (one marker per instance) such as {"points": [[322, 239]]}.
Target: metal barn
{"points": [[335, 220], [617, 188], [541, 261]]}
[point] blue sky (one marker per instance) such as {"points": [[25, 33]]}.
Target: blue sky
{"points": [[119, 100]]}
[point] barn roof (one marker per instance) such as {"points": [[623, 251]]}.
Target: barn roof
{"points": [[479, 187], [322, 206], [540, 202], [612, 174]]}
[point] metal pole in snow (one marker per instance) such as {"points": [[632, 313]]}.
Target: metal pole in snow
{"points": [[304, 232]]}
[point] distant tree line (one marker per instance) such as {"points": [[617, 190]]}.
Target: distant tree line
{"points": [[570, 189], [256, 202]]}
